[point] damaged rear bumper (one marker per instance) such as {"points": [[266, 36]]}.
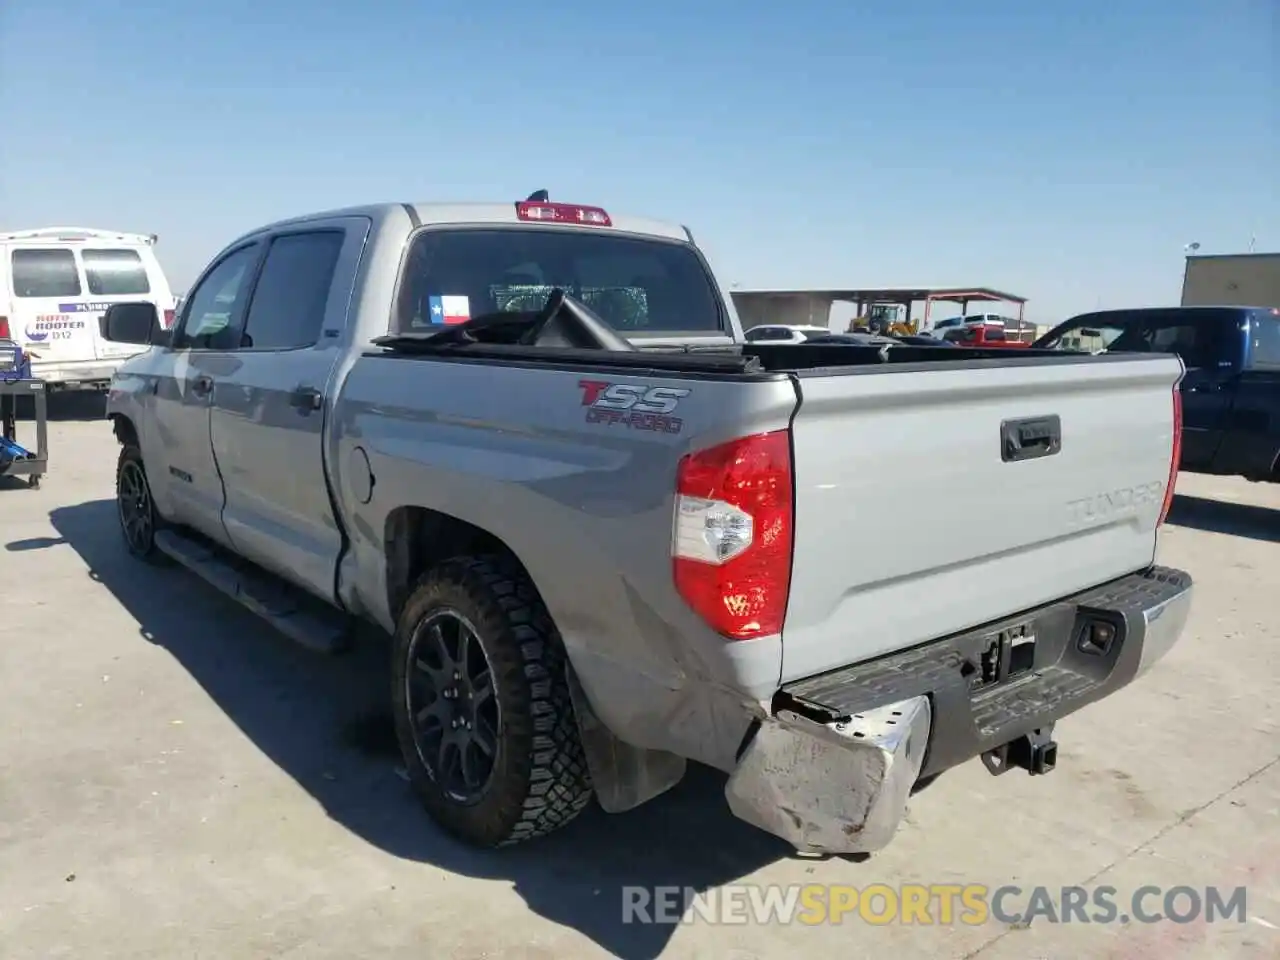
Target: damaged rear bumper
{"points": [[831, 769]]}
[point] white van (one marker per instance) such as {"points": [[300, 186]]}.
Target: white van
{"points": [[54, 285]]}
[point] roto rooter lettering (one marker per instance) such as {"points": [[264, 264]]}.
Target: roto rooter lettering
{"points": [[634, 405], [52, 326]]}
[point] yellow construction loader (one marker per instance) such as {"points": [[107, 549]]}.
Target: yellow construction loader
{"points": [[890, 318]]}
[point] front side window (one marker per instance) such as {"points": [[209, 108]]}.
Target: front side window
{"points": [[637, 285], [115, 273], [212, 308], [44, 273]]}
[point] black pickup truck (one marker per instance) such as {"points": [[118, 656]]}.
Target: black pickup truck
{"points": [[1231, 391]]}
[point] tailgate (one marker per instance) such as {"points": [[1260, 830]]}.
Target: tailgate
{"points": [[914, 522]]}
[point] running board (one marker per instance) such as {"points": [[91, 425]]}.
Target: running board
{"points": [[300, 617]]}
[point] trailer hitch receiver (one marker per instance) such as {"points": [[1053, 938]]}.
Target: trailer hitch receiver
{"points": [[1036, 752]]}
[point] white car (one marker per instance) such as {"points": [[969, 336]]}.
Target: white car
{"points": [[56, 282], [784, 333]]}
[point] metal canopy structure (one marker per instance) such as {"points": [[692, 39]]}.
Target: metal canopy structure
{"points": [[814, 306]]}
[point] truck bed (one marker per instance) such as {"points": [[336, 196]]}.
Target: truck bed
{"points": [[914, 518]]}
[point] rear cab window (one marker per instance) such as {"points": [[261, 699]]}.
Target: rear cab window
{"points": [[641, 286], [39, 273]]}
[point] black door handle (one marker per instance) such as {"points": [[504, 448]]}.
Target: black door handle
{"points": [[1030, 438], [306, 399], [202, 386]]}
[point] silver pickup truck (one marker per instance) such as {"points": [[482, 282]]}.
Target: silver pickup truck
{"points": [[608, 537]]}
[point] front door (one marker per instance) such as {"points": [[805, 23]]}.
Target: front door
{"points": [[269, 412], [186, 483]]}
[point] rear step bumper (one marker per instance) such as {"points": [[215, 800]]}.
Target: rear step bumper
{"points": [[830, 771]]}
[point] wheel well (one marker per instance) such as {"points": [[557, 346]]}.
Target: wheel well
{"points": [[124, 429], [418, 538]]}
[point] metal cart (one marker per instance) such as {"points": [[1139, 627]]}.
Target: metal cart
{"points": [[12, 387]]}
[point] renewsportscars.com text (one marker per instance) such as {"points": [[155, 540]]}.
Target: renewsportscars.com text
{"points": [[931, 904]]}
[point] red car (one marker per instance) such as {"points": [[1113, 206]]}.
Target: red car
{"points": [[983, 335]]}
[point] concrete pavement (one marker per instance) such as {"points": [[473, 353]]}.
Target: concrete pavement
{"points": [[177, 780]]}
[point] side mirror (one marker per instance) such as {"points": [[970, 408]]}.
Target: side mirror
{"points": [[130, 323]]}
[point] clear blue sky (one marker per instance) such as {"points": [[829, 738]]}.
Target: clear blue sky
{"points": [[1063, 151]]}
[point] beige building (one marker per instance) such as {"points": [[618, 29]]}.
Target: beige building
{"points": [[1232, 280]]}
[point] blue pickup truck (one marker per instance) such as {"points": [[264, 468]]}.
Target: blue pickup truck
{"points": [[1231, 391]]}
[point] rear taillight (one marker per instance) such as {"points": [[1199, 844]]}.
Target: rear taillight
{"points": [[4, 329], [1177, 454], [562, 213], [168, 319], [731, 551]]}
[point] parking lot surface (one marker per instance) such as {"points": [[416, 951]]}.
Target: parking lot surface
{"points": [[177, 780]]}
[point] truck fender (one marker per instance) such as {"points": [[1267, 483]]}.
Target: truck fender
{"points": [[624, 776]]}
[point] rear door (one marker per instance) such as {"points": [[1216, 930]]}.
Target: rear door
{"points": [[269, 408], [1211, 344], [882, 563], [1251, 437], [47, 294], [116, 274]]}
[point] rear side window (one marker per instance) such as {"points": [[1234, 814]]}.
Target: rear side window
{"points": [[287, 310], [115, 273], [44, 273], [636, 285], [1202, 338], [1266, 341], [764, 333]]}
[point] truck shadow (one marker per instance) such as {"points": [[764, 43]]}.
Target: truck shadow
{"points": [[1223, 516], [324, 722]]}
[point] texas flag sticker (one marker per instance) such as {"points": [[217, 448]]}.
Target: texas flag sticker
{"points": [[450, 309]]}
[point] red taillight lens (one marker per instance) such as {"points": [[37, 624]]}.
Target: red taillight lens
{"points": [[1177, 453], [562, 213], [731, 552], [168, 319], [4, 329]]}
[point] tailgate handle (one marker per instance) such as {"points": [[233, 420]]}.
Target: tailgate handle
{"points": [[1030, 438]]}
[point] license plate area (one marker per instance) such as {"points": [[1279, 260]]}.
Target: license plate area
{"points": [[1009, 655]]}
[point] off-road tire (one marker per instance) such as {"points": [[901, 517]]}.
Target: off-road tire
{"points": [[130, 460], [540, 780]]}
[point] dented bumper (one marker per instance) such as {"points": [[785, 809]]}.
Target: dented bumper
{"points": [[830, 771], [838, 787]]}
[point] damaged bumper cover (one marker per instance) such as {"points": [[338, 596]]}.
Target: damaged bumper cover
{"points": [[830, 771], [838, 787]]}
